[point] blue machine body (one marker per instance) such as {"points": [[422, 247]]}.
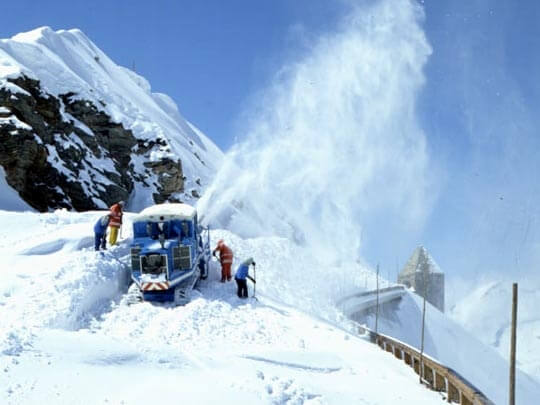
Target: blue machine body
{"points": [[170, 252]]}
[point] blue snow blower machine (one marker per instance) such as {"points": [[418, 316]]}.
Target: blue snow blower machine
{"points": [[169, 254]]}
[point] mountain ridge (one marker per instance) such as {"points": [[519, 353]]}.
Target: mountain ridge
{"points": [[80, 132]]}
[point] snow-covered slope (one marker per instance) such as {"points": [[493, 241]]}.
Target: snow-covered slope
{"points": [[61, 91], [487, 311], [453, 346], [67, 337]]}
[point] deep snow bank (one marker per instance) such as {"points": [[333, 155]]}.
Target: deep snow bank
{"points": [[67, 337], [51, 275]]}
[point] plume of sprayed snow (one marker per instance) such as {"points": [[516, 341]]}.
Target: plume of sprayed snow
{"points": [[333, 141]]}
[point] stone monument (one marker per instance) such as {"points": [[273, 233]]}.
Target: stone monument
{"points": [[424, 275]]}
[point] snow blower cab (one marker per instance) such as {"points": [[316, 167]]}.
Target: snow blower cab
{"points": [[170, 252]]}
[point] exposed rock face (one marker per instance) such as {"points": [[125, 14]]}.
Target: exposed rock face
{"points": [[170, 179], [65, 152]]}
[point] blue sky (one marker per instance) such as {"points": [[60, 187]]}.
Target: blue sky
{"points": [[478, 106], [479, 109], [207, 55]]}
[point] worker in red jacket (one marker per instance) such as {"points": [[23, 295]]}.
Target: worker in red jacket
{"points": [[115, 221], [225, 258]]}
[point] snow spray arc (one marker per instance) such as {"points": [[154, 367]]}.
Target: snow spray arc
{"points": [[334, 140]]}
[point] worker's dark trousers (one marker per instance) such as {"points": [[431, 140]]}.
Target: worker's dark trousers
{"points": [[242, 290], [99, 240]]}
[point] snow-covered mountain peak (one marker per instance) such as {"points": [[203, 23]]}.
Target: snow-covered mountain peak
{"points": [[40, 34], [102, 132]]}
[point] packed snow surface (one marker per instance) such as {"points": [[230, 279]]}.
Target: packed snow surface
{"points": [[68, 337]]}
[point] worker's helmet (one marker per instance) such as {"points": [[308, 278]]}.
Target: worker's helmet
{"points": [[121, 203]]}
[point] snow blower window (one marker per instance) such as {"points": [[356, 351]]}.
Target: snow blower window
{"points": [[182, 257], [154, 264], [136, 258]]}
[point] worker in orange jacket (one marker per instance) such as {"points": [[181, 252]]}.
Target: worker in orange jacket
{"points": [[225, 258], [115, 221]]}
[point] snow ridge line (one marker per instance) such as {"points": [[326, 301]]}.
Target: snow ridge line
{"points": [[325, 370], [435, 375]]}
